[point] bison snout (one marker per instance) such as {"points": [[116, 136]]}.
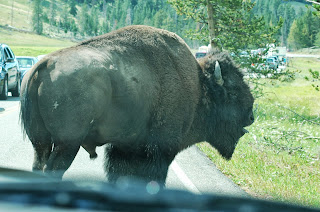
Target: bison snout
{"points": [[251, 118]]}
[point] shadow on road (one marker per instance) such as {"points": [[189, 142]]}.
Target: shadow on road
{"points": [[11, 99]]}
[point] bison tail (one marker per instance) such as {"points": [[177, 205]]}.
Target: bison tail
{"points": [[25, 111]]}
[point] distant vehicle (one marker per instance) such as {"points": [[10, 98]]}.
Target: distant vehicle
{"points": [[25, 63], [254, 52], [271, 63], [202, 51], [9, 73], [39, 57], [276, 59], [280, 52], [244, 54], [201, 54]]}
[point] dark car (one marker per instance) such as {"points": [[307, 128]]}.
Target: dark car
{"points": [[200, 54], [25, 63], [9, 73]]}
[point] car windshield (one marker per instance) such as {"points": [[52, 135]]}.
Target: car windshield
{"points": [[25, 62]]}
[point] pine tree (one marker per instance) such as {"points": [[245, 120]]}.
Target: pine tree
{"points": [[52, 13], [233, 26], [37, 21], [94, 22], [296, 39], [317, 41], [84, 19], [73, 9], [65, 22]]}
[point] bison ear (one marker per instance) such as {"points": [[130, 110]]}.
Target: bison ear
{"points": [[217, 74]]}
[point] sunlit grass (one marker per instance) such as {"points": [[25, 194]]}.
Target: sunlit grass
{"points": [[14, 38], [29, 44], [21, 17]]}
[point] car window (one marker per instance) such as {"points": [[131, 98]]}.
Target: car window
{"points": [[7, 53], [11, 53], [25, 62]]}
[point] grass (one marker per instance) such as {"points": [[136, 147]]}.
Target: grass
{"points": [[21, 14], [29, 44], [280, 158]]}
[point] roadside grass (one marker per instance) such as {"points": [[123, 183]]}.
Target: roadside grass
{"points": [[29, 44], [33, 51], [280, 158]]}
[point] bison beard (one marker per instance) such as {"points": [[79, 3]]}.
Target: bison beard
{"points": [[140, 91]]}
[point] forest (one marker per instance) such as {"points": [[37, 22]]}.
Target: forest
{"points": [[81, 19]]}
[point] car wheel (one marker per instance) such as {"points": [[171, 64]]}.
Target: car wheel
{"points": [[4, 93], [16, 91]]}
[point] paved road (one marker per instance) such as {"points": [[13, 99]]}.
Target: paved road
{"points": [[190, 170], [302, 55]]}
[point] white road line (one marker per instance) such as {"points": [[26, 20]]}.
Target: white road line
{"points": [[184, 178], [9, 110]]}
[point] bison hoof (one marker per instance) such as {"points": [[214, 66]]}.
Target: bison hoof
{"points": [[93, 156]]}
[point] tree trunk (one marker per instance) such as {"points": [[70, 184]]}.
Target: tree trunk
{"points": [[211, 26]]}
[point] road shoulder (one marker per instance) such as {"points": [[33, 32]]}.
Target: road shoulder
{"points": [[203, 174]]}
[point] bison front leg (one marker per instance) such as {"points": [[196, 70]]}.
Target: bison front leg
{"points": [[60, 159], [149, 164]]}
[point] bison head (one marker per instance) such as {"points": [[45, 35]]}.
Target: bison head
{"points": [[227, 101]]}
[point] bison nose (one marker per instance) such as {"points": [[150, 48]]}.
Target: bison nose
{"points": [[251, 118]]}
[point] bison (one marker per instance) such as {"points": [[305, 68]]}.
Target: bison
{"points": [[140, 91]]}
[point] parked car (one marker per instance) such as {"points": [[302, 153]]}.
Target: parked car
{"points": [[276, 59], [39, 57], [9, 73], [271, 63], [200, 54], [25, 63]]}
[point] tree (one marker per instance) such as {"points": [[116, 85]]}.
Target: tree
{"points": [[93, 22], [317, 41], [296, 37], [303, 31], [84, 19], [52, 13], [315, 5], [65, 20], [73, 9], [288, 13], [229, 24], [37, 21]]}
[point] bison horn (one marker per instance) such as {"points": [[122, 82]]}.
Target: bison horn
{"points": [[217, 74]]}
